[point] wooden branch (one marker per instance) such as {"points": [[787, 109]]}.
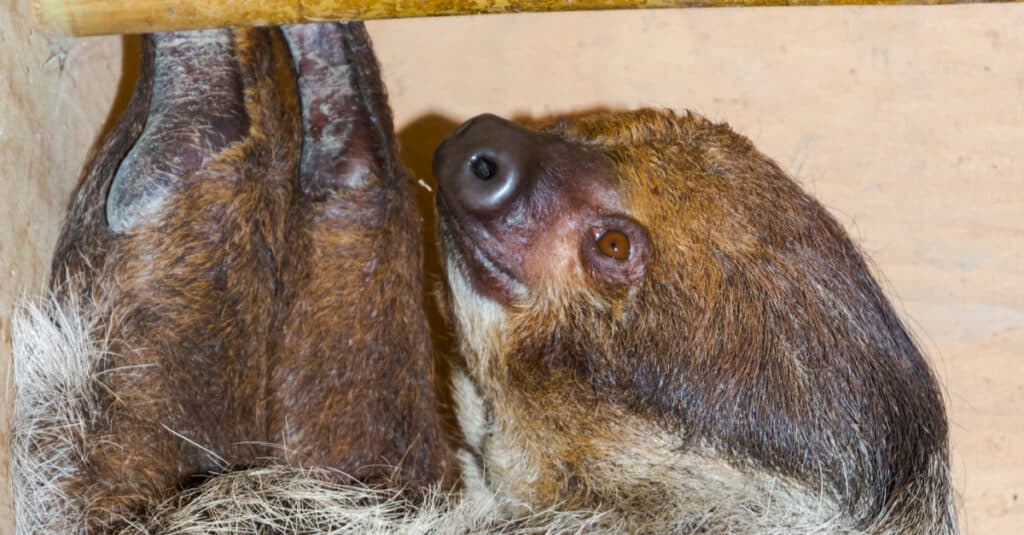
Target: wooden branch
{"points": [[95, 17]]}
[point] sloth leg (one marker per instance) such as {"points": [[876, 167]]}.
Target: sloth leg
{"points": [[353, 378], [174, 241]]}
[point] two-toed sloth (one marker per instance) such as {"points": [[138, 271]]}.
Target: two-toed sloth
{"points": [[657, 330]]}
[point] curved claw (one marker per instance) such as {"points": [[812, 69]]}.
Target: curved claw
{"points": [[347, 132], [197, 109]]}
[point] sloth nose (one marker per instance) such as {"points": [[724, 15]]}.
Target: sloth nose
{"points": [[485, 165]]}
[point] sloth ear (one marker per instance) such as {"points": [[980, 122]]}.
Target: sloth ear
{"points": [[347, 132], [194, 88]]}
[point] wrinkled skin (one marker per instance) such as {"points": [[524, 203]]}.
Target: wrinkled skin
{"points": [[648, 307], [250, 240]]}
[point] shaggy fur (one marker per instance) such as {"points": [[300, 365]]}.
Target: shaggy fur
{"points": [[58, 359], [55, 366], [58, 388], [247, 245]]}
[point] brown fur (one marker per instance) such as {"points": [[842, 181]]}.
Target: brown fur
{"points": [[260, 304], [352, 379]]}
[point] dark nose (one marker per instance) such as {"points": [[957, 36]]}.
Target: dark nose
{"points": [[486, 164]]}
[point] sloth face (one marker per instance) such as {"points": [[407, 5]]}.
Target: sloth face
{"points": [[529, 214], [648, 286]]}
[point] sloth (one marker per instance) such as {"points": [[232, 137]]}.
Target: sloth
{"points": [[657, 330]]}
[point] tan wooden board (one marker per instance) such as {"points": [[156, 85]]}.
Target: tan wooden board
{"points": [[99, 17]]}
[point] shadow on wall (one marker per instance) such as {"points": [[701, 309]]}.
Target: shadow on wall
{"points": [[417, 142], [131, 66]]}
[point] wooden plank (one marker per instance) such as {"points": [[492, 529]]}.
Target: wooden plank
{"points": [[56, 95], [97, 17]]}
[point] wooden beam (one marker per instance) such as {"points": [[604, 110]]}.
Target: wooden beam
{"points": [[96, 17]]}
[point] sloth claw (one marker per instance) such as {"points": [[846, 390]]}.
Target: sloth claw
{"points": [[196, 110], [346, 122]]}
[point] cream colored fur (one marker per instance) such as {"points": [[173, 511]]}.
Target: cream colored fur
{"points": [[57, 350]]}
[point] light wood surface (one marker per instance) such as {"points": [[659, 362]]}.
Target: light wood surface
{"points": [[907, 122], [55, 95], [97, 17]]}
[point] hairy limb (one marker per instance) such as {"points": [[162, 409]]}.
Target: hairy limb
{"points": [[173, 242], [353, 380]]}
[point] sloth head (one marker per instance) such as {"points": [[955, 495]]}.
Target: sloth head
{"points": [[649, 308]]}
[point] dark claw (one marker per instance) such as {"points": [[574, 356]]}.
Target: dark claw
{"points": [[197, 109], [346, 122]]}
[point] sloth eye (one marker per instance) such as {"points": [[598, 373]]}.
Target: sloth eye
{"points": [[613, 244], [615, 250]]}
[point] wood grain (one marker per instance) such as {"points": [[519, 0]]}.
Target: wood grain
{"points": [[57, 94], [96, 17]]}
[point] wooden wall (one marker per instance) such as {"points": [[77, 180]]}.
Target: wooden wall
{"points": [[55, 96], [907, 122]]}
